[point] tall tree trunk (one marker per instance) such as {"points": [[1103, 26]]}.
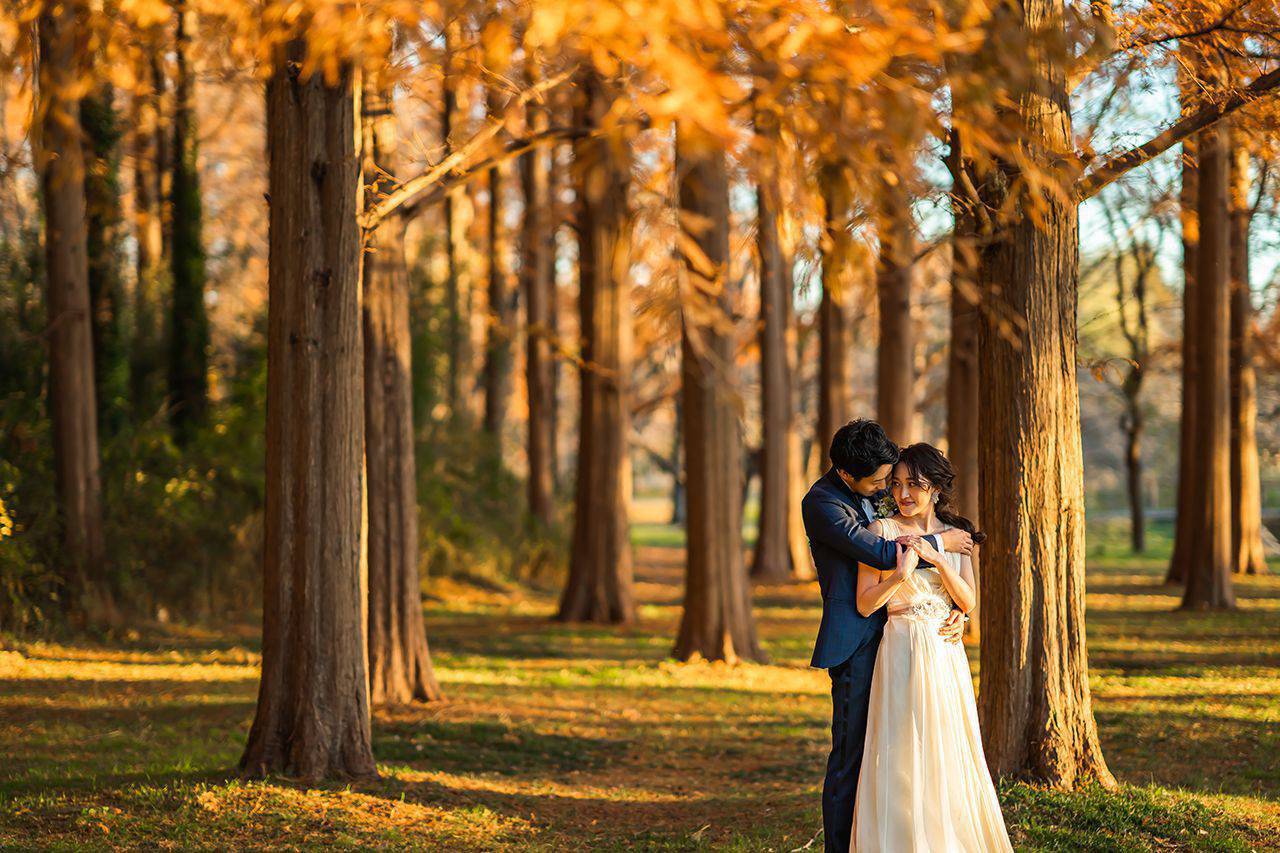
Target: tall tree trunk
{"points": [[72, 406], [1035, 705], [312, 718], [1208, 575], [599, 588], [1186, 529], [189, 323], [779, 553], [895, 267], [716, 622], [833, 322], [106, 288], [1246, 489], [962, 380], [498, 353], [147, 346], [399, 661], [537, 281]]}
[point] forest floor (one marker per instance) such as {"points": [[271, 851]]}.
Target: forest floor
{"points": [[556, 737]]}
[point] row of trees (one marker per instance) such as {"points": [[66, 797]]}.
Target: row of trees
{"points": [[342, 614]]}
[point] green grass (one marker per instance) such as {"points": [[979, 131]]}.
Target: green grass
{"points": [[559, 737]]}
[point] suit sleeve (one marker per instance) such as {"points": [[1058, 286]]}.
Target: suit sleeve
{"points": [[828, 522]]}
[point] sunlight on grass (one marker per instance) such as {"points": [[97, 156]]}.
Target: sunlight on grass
{"points": [[559, 737]]}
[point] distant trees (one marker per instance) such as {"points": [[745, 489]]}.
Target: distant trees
{"points": [[781, 551], [188, 319]]}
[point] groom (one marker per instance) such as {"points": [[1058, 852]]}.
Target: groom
{"points": [[836, 513]]}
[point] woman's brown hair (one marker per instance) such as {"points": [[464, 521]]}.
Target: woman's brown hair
{"points": [[926, 462]]}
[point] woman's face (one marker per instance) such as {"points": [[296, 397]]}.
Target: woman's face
{"points": [[913, 494]]}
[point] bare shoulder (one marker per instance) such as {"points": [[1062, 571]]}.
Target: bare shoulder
{"points": [[877, 527]]}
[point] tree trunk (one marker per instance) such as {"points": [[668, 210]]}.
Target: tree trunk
{"points": [[1246, 489], [1133, 424], [72, 406], [498, 353], [779, 553], [147, 346], [895, 267], [537, 281], [962, 382], [1208, 575], [189, 323], [399, 661], [716, 622], [106, 289], [1186, 530], [599, 587], [679, 502], [312, 718], [833, 323], [1035, 705]]}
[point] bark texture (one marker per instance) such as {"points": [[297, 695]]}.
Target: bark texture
{"points": [[399, 661], [72, 401], [1035, 706], [895, 269], [537, 282], [1248, 555], [716, 622], [962, 383], [833, 321], [499, 358], [312, 717], [599, 587], [1208, 568]]}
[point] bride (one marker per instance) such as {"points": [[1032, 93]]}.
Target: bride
{"points": [[924, 783]]}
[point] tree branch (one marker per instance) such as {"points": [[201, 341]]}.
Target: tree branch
{"points": [[446, 174], [1208, 114]]}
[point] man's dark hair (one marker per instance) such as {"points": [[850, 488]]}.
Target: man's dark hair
{"points": [[860, 447]]}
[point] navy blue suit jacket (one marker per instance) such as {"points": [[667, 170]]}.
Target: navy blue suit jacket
{"points": [[836, 524]]}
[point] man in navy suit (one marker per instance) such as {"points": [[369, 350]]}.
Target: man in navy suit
{"points": [[836, 513]]}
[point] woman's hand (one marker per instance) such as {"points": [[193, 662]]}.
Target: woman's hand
{"points": [[908, 559], [924, 548]]}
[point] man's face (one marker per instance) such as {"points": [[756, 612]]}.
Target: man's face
{"points": [[868, 486]]}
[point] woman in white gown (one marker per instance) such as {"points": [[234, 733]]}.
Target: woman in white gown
{"points": [[924, 783]]}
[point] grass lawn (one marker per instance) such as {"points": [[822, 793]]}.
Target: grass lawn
{"points": [[558, 737]]}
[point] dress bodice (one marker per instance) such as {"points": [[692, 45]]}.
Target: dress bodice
{"points": [[923, 595]]}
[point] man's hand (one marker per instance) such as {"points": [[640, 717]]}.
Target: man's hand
{"points": [[957, 541], [953, 628]]}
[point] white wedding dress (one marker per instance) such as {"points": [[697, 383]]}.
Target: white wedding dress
{"points": [[924, 784]]}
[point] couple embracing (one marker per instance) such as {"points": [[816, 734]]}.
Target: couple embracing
{"points": [[906, 770]]}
